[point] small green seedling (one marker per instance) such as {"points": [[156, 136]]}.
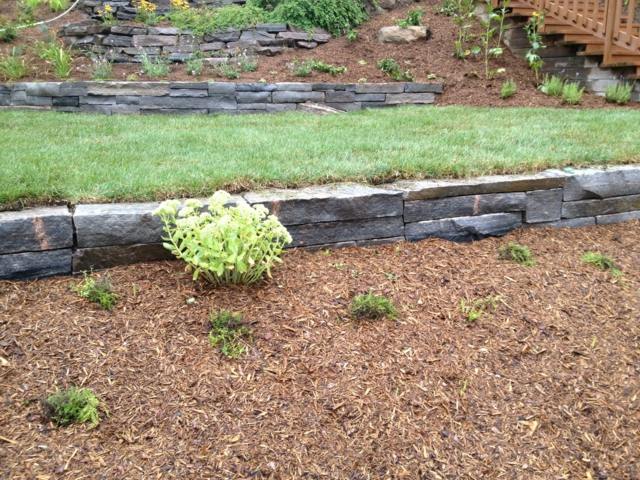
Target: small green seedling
{"points": [[372, 307], [552, 86], [73, 405], [393, 70], [352, 35], [572, 93], [413, 19], [517, 253], [99, 291], [475, 309], [508, 89], [619, 93], [603, 262], [229, 333]]}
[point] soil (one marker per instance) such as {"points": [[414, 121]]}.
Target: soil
{"points": [[430, 60], [545, 386]]}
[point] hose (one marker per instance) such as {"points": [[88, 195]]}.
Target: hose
{"points": [[44, 22]]}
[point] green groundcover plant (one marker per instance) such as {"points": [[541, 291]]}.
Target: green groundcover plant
{"points": [[224, 244], [73, 405]]}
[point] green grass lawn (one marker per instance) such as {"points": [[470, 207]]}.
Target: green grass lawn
{"points": [[49, 156]]}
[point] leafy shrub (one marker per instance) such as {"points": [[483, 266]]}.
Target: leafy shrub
{"points": [[352, 35], [603, 262], [572, 93], [517, 253], [228, 332], [226, 244], [8, 31], [372, 307], [207, 20], [475, 309], [57, 56], [508, 89], [98, 291], [304, 69], [391, 68], [155, 68], [101, 68], [73, 405], [58, 5], [335, 16], [552, 86], [619, 93], [13, 66], [413, 19]]}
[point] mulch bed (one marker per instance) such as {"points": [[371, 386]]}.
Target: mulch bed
{"points": [[464, 80], [547, 386]]}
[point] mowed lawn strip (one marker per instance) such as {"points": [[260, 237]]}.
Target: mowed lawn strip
{"points": [[48, 156]]}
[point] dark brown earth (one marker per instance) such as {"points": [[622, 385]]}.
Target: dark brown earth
{"points": [[546, 386], [432, 60]]}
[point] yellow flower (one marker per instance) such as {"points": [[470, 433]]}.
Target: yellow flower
{"points": [[108, 8]]}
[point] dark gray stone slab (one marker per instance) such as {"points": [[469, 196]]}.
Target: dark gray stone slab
{"points": [[424, 88], [117, 41], [35, 229], [190, 85], [253, 97], [187, 92], [567, 223], [128, 88], [65, 101], [272, 27], [154, 40], [35, 264], [429, 189], [105, 257], [410, 98], [463, 229], [380, 87], [255, 87], [116, 224], [222, 87], [39, 101], [469, 205], [43, 89], [370, 97], [340, 97], [613, 182], [297, 97], [294, 86], [334, 232], [606, 206], [329, 203], [224, 36], [544, 205], [618, 217], [218, 102]]}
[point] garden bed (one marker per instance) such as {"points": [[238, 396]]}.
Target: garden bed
{"points": [[430, 60], [544, 386]]}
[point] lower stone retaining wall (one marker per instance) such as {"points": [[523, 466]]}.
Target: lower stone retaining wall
{"points": [[49, 241], [210, 97]]}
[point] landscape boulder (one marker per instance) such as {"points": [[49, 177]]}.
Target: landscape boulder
{"points": [[396, 34]]}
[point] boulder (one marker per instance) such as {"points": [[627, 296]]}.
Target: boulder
{"points": [[396, 34]]}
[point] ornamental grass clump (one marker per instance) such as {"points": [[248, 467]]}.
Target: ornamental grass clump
{"points": [[224, 244], [372, 307]]}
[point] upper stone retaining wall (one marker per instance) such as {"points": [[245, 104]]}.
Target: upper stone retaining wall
{"points": [[210, 97], [49, 241]]}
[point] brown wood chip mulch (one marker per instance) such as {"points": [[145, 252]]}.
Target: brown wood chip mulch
{"points": [[546, 386]]}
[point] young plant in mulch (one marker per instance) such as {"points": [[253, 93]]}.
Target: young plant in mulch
{"points": [[73, 405], [393, 70], [552, 86], [508, 89], [572, 93], [532, 29], [475, 309], [620, 93], [372, 307], [413, 19], [229, 333], [603, 262], [99, 291], [304, 69], [515, 252]]}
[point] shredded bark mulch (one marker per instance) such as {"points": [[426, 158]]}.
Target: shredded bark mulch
{"points": [[430, 61], [545, 386]]}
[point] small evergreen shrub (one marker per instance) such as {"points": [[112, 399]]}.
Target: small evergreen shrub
{"points": [[413, 19], [391, 68], [98, 291], [619, 93], [552, 86], [226, 244], [603, 262], [508, 89], [208, 20], [73, 405], [229, 333], [517, 253], [335, 16], [372, 307], [572, 93]]}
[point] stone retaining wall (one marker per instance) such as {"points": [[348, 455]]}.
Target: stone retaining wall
{"points": [[210, 97], [128, 43], [56, 240]]}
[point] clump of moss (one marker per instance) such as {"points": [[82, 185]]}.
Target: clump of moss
{"points": [[515, 252], [73, 405], [372, 307], [99, 291], [603, 262], [229, 333]]}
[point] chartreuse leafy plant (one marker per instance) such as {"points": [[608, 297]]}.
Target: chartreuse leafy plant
{"points": [[229, 333], [517, 253], [603, 262], [73, 405], [99, 291], [372, 307], [226, 244]]}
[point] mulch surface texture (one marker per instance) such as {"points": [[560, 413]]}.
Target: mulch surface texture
{"points": [[546, 386], [464, 79]]}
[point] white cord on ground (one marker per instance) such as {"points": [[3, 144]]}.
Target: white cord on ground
{"points": [[43, 22]]}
